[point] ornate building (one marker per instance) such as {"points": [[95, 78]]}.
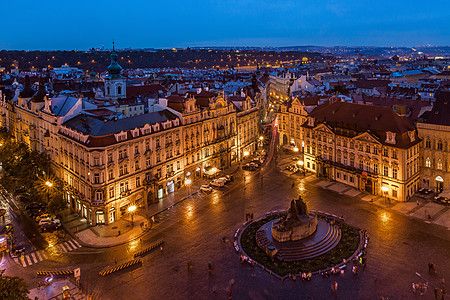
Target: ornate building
{"points": [[434, 129], [370, 148]]}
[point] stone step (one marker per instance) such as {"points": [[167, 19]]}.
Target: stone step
{"points": [[330, 242], [331, 230]]}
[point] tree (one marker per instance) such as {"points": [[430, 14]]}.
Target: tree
{"points": [[13, 288]]}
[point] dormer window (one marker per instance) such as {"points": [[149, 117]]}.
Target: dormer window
{"points": [[411, 136], [311, 122], [390, 137]]}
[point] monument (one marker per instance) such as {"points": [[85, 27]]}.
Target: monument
{"points": [[296, 225]]}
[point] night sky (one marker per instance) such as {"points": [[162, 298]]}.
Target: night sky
{"points": [[82, 24]]}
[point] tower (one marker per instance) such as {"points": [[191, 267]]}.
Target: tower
{"points": [[115, 84]]}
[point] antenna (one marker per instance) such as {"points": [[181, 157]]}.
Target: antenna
{"points": [[113, 45]]}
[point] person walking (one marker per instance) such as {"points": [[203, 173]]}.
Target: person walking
{"points": [[436, 291], [334, 286], [209, 266], [161, 248]]}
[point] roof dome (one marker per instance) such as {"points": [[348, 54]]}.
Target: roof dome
{"points": [[114, 68]]}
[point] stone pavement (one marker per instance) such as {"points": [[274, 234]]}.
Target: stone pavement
{"points": [[54, 291], [426, 210]]}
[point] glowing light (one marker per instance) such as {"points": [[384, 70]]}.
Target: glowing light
{"points": [[261, 138], [131, 208], [384, 189], [48, 183], [214, 170], [295, 149], [188, 181], [300, 162], [246, 153]]}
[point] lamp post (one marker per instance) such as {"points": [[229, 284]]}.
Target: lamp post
{"points": [[188, 182], [131, 210], [385, 192], [49, 185]]}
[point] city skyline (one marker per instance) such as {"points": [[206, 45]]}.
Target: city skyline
{"points": [[139, 24]]}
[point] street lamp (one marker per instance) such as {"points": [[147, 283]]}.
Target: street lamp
{"points": [[246, 153], [295, 149], [49, 185], [188, 182], [131, 210], [385, 190]]}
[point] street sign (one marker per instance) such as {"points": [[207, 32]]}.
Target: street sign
{"points": [[77, 273]]}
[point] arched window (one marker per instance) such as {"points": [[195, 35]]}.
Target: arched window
{"points": [[427, 143], [119, 90], [108, 91], [428, 162], [439, 145], [439, 164]]}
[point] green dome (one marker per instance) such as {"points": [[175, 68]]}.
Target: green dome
{"points": [[114, 68]]}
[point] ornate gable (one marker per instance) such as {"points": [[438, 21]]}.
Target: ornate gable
{"points": [[367, 137], [323, 128]]}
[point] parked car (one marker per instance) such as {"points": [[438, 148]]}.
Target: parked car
{"points": [[45, 216], [50, 226], [218, 182], [206, 188], [229, 178], [49, 220], [33, 206]]}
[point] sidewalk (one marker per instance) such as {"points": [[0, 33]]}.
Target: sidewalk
{"points": [[54, 291], [427, 210]]}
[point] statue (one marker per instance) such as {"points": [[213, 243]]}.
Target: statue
{"points": [[297, 224]]}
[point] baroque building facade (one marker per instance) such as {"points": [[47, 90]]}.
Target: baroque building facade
{"points": [[370, 148]]}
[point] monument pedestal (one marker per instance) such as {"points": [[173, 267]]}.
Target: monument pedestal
{"points": [[305, 228]]}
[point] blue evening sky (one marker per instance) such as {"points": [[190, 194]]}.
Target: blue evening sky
{"points": [[81, 24]]}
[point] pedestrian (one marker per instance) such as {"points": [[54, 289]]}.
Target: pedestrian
{"points": [[334, 287], [436, 293], [251, 216], [442, 294], [161, 248], [293, 184], [418, 203], [209, 266]]}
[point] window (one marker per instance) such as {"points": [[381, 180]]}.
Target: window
{"points": [[394, 193], [96, 178], [361, 164], [375, 150], [338, 175], [98, 196], [148, 162], [368, 148], [96, 161], [110, 174], [147, 146], [138, 182], [385, 171], [351, 179], [345, 177], [375, 168], [110, 157], [439, 145], [394, 173], [439, 164], [361, 147], [394, 154], [427, 143], [386, 152], [136, 164], [428, 162], [136, 149], [352, 162], [111, 192]]}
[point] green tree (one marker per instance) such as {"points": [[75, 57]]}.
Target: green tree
{"points": [[13, 288]]}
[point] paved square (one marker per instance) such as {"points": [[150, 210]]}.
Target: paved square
{"points": [[338, 187], [430, 208], [352, 192], [404, 207], [368, 198], [324, 184], [443, 220]]}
